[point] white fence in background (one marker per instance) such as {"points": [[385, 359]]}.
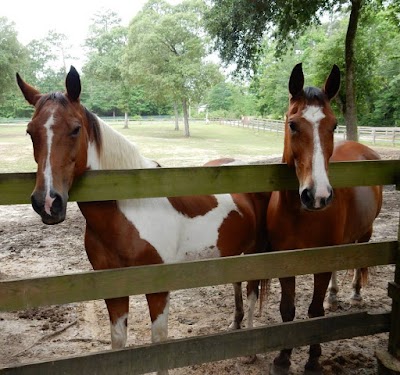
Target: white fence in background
{"points": [[365, 133]]}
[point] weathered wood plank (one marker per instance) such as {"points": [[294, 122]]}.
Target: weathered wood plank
{"points": [[394, 291], [21, 294], [124, 184], [201, 349]]}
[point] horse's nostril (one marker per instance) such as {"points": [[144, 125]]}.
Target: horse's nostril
{"points": [[306, 197], [57, 205]]}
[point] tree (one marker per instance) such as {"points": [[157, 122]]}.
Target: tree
{"points": [[239, 26], [231, 100], [12, 57], [46, 65], [220, 98], [165, 54], [107, 90]]}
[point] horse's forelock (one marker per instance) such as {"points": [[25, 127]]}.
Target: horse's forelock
{"points": [[314, 95], [57, 97]]}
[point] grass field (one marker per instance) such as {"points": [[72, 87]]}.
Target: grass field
{"points": [[158, 141]]}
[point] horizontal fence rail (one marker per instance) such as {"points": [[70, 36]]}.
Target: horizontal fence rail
{"points": [[16, 188], [22, 294], [202, 349]]}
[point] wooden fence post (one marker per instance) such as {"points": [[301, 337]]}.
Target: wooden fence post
{"points": [[389, 361]]}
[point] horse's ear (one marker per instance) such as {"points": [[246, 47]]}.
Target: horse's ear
{"points": [[30, 93], [73, 84], [332, 83], [296, 81]]}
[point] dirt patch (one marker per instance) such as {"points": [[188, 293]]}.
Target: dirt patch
{"points": [[30, 249]]}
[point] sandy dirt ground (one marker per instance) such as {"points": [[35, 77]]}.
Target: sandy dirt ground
{"points": [[29, 248]]}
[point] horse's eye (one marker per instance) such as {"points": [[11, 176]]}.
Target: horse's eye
{"points": [[292, 126], [76, 131]]}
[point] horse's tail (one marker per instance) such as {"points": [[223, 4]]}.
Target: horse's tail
{"points": [[264, 291], [364, 276]]}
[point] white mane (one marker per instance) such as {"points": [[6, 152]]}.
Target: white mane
{"points": [[116, 151]]}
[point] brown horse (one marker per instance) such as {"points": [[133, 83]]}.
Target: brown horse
{"points": [[316, 215], [68, 140]]}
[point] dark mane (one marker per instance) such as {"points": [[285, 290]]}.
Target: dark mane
{"points": [[94, 129], [315, 95]]}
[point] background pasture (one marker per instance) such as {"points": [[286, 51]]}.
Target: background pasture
{"points": [[158, 141]]}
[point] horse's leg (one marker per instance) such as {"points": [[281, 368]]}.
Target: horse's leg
{"points": [[359, 279], [360, 275], [321, 281], [159, 307], [333, 289], [118, 309], [287, 308], [252, 297], [238, 314]]}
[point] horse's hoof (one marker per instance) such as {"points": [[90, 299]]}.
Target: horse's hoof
{"points": [[356, 300], [248, 360], [278, 370], [331, 303], [233, 326], [313, 372], [313, 368]]}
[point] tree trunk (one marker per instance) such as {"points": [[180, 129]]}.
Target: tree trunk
{"points": [[185, 117], [126, 122], [350, 110], [176, 116]]}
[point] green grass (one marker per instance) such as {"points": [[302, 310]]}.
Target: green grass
{"points": [[159, 141], [16, 153]]}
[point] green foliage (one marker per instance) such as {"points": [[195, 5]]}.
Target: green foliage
{"points": [[13, 56], [160, 59], [239, 26], [231, 100], [377, 68], [165, 53]]}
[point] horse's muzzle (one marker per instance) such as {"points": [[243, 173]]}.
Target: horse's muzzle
{"points": [[52, 209], [310, 202]]}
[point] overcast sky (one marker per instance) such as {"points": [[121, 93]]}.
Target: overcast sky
{"points": [[33, 19]]}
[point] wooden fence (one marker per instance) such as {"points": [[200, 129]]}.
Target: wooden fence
{"points": [[387, 135], [106, 185]]}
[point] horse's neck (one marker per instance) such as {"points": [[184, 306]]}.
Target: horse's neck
{"points": [[115, 152]]}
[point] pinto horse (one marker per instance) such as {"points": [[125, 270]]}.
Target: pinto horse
{"points": [[316, 215], [68, 140]]}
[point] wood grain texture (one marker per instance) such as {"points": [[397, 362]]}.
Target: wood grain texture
{"points": [[28, 293], [168, 182], [201, 349]]}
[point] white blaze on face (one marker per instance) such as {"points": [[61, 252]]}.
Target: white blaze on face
{"points": [[314, 115], [47, 172]]}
